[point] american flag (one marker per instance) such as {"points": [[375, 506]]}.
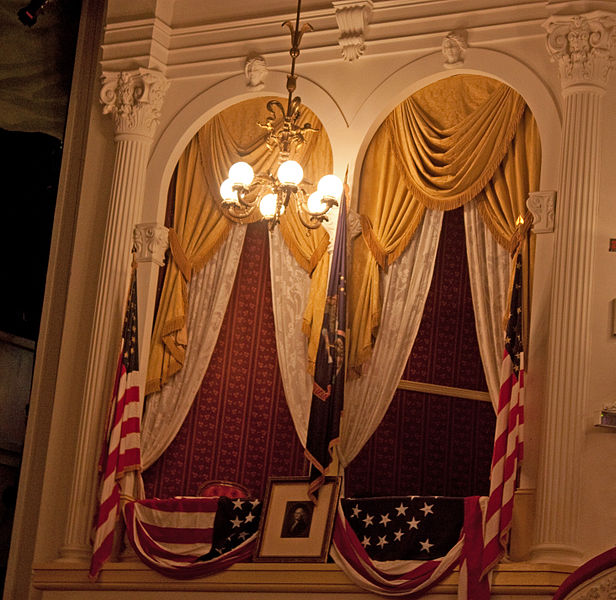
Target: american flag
{"points": [[187, 537], [411, 528], [236, 521], [121, 448], [508, 437], [328, 388], [402, 546]]}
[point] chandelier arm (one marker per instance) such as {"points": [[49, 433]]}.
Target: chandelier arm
{"points": [[308, 220]]}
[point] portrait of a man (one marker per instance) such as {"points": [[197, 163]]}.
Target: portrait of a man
{"points": [[297, 520]]}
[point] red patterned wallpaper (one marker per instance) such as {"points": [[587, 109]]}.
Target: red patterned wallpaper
{"points": [[431, 444]]}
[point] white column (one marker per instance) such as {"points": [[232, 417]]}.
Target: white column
{"points": [[134, 99], [583, 46]]}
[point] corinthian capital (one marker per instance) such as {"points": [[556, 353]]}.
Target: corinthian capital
{"points": [[150, 241], [584, 46], [134, 99]]}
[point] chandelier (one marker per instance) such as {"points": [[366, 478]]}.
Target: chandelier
{"points": [[244, 191]]}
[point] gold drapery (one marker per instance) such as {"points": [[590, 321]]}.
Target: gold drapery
{"points": [[200, 228], [462, 138]]}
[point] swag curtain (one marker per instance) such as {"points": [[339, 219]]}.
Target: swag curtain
{"points": [[200, 228], [463, 137]]}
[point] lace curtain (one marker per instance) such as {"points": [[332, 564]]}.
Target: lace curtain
{"points": [[489, 267], [290, 292], [406, 285]]}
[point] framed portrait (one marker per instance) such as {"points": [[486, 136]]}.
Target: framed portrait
{"points": [[293, 528]]}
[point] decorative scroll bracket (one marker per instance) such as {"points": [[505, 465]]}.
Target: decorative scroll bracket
{"points": [[150, 242], [542, 205], [352, 17]]}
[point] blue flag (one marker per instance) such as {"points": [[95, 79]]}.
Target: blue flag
{"points": [[328, 388]]}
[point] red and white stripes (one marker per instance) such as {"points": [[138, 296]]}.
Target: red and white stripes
{"points": [[508, 452]]}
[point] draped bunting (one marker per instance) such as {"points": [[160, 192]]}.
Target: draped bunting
{"points": [[200, 228], [426, 154]]}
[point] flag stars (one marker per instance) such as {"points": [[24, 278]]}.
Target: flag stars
{"points": [[236, 522], [382, 541], [249, 518], [426, 545], [398, 535], [365, 542], [413, 523], [238, 503], [255, 502], [401, 510], [368, 520], [426, 509], [385, 519], [356, 511]]}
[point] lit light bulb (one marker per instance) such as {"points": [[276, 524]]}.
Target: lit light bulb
{"points": [[315, 203], [227, 193], [267, 206], [330, 186], [290, 172], [241, 173]]}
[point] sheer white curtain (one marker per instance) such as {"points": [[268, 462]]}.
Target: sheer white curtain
{"points": [[489, 267], [406, 286], [290, 289], [208, 296]]}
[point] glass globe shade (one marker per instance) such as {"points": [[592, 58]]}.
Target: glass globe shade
{"points": [[315, 204], [267, 205], [330, 186], [290, 173], [227, 193], [241, 173]]}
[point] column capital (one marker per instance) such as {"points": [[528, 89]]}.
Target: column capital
{"points": [[584, 46], [150, 241], [134, 99]]}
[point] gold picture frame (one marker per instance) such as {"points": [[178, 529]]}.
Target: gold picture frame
{"points": [[293, 528]]}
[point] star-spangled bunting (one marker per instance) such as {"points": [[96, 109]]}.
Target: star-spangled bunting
{"points": [[417, 528], [235, 521]]}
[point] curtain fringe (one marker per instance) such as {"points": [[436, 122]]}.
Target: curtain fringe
{"points": [[308, 264], [488, 172]]}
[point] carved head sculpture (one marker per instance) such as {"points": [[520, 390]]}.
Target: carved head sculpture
{"points": [[255, 71], [453, 48]]}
